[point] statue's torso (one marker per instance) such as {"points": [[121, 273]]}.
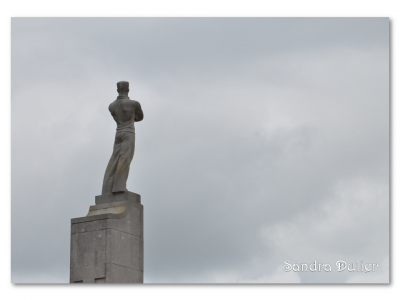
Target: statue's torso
{"points": [[123, 112]]}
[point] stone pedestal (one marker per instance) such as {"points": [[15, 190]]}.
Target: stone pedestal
{"points": [[107, 244]]}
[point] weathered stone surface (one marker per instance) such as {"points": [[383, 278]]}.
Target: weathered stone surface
{"points": [[88, 226], [108, 247], [88, 248], [121, 274], [119, 255], [88, 274], [132, 223]]}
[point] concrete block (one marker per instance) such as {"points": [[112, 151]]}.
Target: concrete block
{"points": [[88, 274], [121, 274], [132, 223], [122, 241], [107, 245], [88, 248], [89, 226]]}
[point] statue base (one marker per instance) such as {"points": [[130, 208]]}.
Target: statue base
{"points": [[107, 244], [117, 197]]}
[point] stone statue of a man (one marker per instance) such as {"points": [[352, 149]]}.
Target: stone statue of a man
{"points": [[125, 112]]}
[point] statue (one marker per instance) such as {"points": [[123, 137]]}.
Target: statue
{"points": [[125, 113], [99, 252]]}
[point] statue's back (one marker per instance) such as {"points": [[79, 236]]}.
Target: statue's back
{"points": [[123, 112]]}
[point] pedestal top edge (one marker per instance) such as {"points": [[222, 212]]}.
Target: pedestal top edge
{"points": [[108, 215], [112, 204]]}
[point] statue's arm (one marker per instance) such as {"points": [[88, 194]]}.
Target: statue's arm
{"points": [[138, 112]]}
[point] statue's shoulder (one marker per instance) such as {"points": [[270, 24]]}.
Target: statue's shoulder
{"points": [[133, 103], [136, 103], [111, 106]]}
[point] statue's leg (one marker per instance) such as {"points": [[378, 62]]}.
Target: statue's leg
{"points": [[125, 157], [109, 175]]}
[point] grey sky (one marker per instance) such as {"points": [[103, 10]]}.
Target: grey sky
{"points": [[264, 140]]}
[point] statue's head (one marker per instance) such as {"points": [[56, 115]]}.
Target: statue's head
{"points": [[123, 87]]}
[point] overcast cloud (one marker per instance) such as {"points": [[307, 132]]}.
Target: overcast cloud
{"points": [[263, 140]]}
